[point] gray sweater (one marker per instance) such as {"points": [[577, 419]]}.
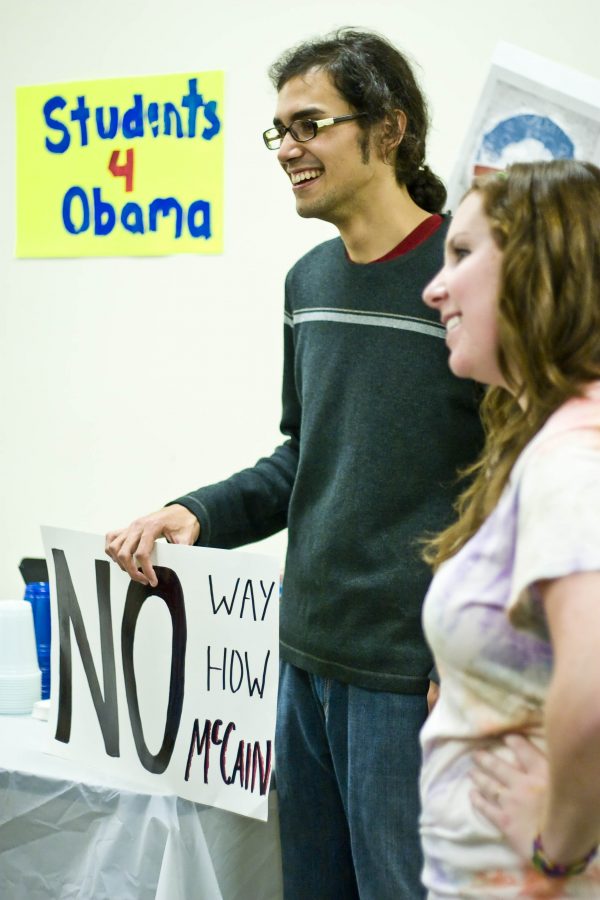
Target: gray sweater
{"points": [[377, 426]]}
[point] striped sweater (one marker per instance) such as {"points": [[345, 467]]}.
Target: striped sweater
{"points": [[376, 428]]}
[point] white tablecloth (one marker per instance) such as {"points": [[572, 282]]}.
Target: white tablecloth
{"points": [[66, 833]]}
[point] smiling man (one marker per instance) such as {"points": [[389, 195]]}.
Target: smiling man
{"points": [[376, 428]]}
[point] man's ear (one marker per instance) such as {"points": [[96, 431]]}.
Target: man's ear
{"points": [[391, 134]]}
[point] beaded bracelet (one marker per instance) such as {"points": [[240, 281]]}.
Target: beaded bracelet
{"points": [[558, 870]]}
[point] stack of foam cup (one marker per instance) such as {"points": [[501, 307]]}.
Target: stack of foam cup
{"points": [[20, 676]]}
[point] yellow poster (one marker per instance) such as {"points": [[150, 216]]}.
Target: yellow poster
{"points": [[121, 167]]}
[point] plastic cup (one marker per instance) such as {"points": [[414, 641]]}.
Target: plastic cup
{"points": [[20, 676]]}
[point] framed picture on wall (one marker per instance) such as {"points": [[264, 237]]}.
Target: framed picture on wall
{"points": [[530, 108]]}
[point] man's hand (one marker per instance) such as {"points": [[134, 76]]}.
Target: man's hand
{"points": [[131, 547]]}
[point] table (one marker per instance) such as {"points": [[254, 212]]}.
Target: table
{"points": [[66, 833]]}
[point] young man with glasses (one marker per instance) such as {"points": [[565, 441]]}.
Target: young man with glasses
{"points": [[376, 428]]}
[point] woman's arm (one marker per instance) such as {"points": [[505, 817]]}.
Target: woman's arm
{"points": [[570, 824], [558, 796]]}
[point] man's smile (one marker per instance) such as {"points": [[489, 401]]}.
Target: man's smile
{"points": [[302, 176]]}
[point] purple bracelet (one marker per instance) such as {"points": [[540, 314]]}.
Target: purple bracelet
{"points": [[558, 870]]}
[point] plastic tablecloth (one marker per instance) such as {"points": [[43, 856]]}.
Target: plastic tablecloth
{"points": [[65, 833]]}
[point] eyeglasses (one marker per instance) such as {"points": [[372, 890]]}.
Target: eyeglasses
{"points": [[302, 129]]}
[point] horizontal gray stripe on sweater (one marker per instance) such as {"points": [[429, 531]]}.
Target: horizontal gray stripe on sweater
{"points": [[383, 320]]}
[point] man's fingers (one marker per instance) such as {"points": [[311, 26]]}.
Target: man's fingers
{"points": [[142, 553], [113, 542], [132, 547], [126, 557], [129, 550]]}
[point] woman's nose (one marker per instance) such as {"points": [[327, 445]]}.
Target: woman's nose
{"points": [[435, 291]]}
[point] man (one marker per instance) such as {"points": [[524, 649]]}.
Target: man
{"points": [[376, 430]]}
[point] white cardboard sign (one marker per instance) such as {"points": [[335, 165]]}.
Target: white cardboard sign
{"points": [[530, 108], [173, 687]]}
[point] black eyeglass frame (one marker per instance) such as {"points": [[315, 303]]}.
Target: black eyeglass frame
{"points": [[279, 132]]}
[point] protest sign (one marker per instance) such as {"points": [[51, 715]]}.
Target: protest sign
{"points": [[121, 166], [174, 687]]}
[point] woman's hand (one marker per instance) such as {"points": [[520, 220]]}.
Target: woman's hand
{"points": [[432, 695], [511, 794]]}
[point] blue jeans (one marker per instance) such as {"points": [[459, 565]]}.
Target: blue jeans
{"points": [[347, 769]]}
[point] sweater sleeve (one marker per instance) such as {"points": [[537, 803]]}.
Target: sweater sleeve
{"points": [[253, 503]]}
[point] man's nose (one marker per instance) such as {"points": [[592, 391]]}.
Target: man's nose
{"points": [[289, 149]]}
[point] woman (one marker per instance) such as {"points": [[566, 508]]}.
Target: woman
{"points": [[513, 613]]}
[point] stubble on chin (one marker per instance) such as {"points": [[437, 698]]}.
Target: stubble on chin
{"points": [[307, 211], [316, 210]]}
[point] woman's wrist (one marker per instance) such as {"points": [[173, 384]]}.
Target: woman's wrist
{"points": [[552, 869]]}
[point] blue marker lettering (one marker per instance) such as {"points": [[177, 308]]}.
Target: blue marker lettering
{"points": [[85, 210], [132, 218], [193, 101], [210, 112], [81, 114], [203, 230], [49, 107], [104, 214], [133, 119], [164, 206], [170, 112], [113, 125]]}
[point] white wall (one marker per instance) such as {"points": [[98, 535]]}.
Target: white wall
{"points": [[125, 382]]}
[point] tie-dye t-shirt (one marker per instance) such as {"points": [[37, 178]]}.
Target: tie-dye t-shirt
{"points": [[486, 626]]}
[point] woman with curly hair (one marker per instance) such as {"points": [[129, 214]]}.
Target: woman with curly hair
{"points": [[511, 753]]}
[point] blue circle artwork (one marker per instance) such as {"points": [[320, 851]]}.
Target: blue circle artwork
{"points": [[528, 127]]}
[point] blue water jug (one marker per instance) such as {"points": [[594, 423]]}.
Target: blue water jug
{"points": [[38, 594]]}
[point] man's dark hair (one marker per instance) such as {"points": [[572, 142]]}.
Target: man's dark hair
{"points": [[375, 79]]}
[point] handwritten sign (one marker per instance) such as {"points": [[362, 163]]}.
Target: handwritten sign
{"points": [[174, 687], [121, 167]]}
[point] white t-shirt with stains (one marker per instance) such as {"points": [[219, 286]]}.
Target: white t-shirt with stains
{"points": [[486, 626]]}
